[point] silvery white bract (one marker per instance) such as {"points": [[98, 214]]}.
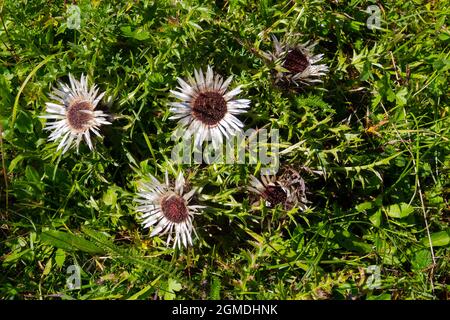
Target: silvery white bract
{"points": [[276, 191], [295, 63], [167, 209], [74, 114], [207, 110]]}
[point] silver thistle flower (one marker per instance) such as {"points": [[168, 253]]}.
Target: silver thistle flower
{"points": [[295, 63], [74, 115], [288, 190], [167, 208], [207, 109]]}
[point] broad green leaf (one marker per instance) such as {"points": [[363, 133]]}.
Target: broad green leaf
{"points": [[32, 175], [375, 219], [24, 123], [363, 206], [15, 162], [438, 239], [444, 36], [15, 256], [172, 287], [399, 210], [400, 97], [126, 30], [383, 296], [137, 34], [69, 242], [422, 259], [350, 242], [48, 267], [60, 257], [110, 197], [141, 35]]}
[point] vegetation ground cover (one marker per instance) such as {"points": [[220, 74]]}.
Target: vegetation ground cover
{"points": [[371, 144]]}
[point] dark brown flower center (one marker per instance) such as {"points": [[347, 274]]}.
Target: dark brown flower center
{"points": [[174, 208], [77, 118], [209, 107], [295, 61], [275, 195]]}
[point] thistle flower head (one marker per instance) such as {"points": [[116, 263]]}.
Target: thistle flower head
{"points": [[74, 115], [207, 108], [167, 209], [295, 63]]}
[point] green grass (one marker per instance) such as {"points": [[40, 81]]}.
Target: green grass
{"points": [[377, 129]]}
